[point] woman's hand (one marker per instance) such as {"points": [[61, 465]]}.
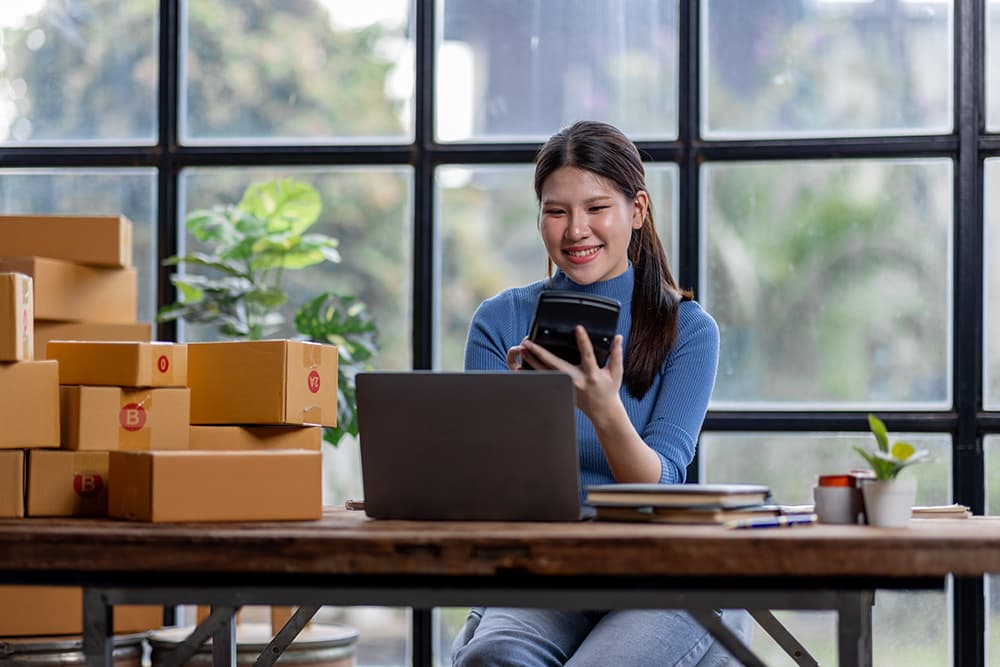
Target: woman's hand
{"points": [[596, 388]]}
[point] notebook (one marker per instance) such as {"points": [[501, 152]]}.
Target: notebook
{"points": [[469, 446]]}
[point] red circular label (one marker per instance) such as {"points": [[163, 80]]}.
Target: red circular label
{"points": [[87, 484], [313, 381], [163, 364], [132, 417]]}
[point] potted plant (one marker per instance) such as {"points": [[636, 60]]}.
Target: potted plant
{"points": [[888, 499], [236, 285]]}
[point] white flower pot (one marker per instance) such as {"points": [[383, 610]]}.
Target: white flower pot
{"points": [[889, 503]]}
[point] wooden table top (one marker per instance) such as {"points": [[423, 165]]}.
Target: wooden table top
{"points": [[347, 543]]}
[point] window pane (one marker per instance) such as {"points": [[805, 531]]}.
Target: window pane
{"points": [[991, 287], [128, 192], [68, 76], [830, 281], [826, 67], [521, 69], [991, 460], [367, 210], [992, 66], [488, 227], [296, 71], [908, 627]]}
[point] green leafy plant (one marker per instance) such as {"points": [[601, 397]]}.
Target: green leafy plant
{"points": [[236, 285], [886, 461]]}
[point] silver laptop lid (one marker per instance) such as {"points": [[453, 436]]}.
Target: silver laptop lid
{"points": [[475, 445]]}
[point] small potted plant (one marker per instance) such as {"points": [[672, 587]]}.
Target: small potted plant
{"points": [[888, 499]]}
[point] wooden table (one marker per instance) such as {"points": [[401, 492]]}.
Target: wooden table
{"points": [[346, 559]]}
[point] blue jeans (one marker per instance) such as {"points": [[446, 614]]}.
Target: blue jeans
{"points": [[495, 636]]}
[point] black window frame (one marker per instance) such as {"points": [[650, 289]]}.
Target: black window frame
{"points": [[968, 145]]}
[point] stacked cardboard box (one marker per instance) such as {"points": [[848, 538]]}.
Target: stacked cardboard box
{"points": [[29, 413], [114, 396], [29, 392], [85, 285], [256, 412]]}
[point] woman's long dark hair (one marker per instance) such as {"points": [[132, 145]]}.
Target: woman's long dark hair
{"points": [[602, 149]]}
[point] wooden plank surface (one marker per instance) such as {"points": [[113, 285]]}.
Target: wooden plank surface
{"points": [[347, 543]]}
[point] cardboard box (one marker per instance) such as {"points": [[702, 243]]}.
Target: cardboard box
{"points": [[29, 404], [74, 292], [11, 484], [263, 382], [255, 438], [62, 483], [216, 486], [92, 331], [17, 316], [103, 240], [120, 364], [58, 610], [113, 418]]}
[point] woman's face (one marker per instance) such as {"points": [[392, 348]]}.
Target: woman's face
{"points": [[586, 223]]}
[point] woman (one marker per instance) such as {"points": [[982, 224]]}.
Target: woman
{"points": [[639, 416]]}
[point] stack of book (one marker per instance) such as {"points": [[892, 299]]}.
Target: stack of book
{"points": [[684, 503]]}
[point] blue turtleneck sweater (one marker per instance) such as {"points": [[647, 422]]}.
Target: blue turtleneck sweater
{"points": [[668, 417]]}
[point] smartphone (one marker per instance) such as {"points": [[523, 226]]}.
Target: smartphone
{"points": [[558, 312]]}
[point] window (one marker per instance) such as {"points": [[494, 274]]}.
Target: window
{"points": [[819, 174]]}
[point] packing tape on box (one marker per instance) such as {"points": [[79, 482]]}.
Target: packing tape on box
{"points": [[312, 414], [312, 355]]}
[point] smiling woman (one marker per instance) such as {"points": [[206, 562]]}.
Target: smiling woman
{"points": [[639, 415]]}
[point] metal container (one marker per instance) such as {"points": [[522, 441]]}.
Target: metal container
{"points": [[318, 645], [58, 651]]}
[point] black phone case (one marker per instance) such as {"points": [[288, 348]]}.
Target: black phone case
{"points": [[558, 312]]}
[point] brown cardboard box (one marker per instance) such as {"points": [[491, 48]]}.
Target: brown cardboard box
{"points": [[29, 404], [255, 438], [17, 316], [103, 240], [263, 382], [115, 418], [93, 331], [120, 364], [74, 292], [11, 484], [62, 483], [216, 486], [58, 610]]}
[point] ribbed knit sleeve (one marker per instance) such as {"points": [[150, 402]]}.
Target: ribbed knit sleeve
{"points": [[498, 325]]}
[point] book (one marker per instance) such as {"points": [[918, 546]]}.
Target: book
{"points": [[687, 515], [954, 511], [706, 496]]}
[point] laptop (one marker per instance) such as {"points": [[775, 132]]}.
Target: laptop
{"points": [[469, 446]]}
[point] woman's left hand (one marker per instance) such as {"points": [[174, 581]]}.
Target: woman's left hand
{"points": [[596, 388]]}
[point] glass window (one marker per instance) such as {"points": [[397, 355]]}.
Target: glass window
{"points": [[907, 627], [991, 285], [991, 456], [367, 210], [488, 239], [67, 76], [992, 67], [302, 71], [511, 70], [826, 67], [128, 192], [830, 281]]}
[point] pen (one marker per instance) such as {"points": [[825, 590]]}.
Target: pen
{"points": [[773, 521]]}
